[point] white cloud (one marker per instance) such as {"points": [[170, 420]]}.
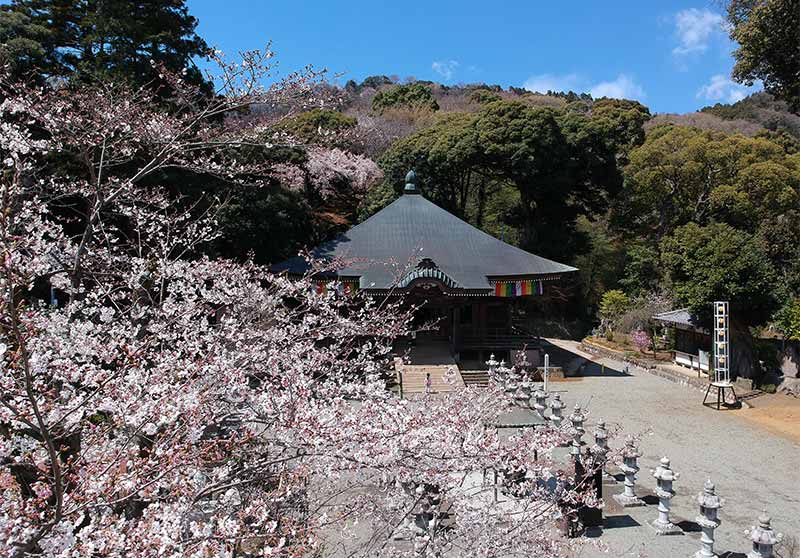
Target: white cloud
{"points": [[550, 82], [624, 87], [695, 29], [722, 88], [445, 68]]}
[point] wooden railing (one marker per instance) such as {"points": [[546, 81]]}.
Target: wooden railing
{"points": [[500, 339], [690, 360]]}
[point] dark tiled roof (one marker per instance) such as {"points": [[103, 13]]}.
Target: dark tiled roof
{"points": [[412, 228], [680, 316]]}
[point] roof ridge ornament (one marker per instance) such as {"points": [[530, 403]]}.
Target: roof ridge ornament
{"points": [[411, 183]]}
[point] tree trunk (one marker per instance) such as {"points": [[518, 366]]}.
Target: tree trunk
{"points": [[743, 364], [481, 203], [529, 229]]}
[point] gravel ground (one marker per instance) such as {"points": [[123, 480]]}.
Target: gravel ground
{"points": [[752, 468]]}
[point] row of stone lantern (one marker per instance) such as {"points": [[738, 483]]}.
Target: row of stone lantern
{"points": [[536, 399], [762, 536]]}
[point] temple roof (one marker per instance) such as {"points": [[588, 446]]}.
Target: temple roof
{"points": [[412, 228]]}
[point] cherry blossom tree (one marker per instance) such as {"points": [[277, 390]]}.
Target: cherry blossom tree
{"points": [[641, 339], [330, 172], [154, 402]]}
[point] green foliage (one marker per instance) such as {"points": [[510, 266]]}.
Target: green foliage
{"points": [[621, 121], [613, 304], [601, 265], [524, 172], [767, 357], [787, 319], [22, 42], [483, 96], [446, 157], [316, 125], [376, 81], [103, 40], [768, 33], [270, 223], [642, 268], [790, 143], [719, 262], [416, 96], [376, 199], [682, 175], [768, 388]]}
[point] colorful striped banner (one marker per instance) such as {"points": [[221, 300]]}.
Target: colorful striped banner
{"points": [[518, 288]]}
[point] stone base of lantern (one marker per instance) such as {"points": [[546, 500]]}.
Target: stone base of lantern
{"points": [[699, 554], [608, 478], [628, 501], [665, 528]]}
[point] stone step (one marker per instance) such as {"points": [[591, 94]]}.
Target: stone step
{"points": [[476, 378], [414, 378]]}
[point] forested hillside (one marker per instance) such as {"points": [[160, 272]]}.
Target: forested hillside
{"points": [[670, 209]]}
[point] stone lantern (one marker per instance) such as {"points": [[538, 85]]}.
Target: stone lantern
{"points": [[664, 476], [540, 403], [556, 407], [763, 538], [575, 454], [492, 364], [600, 447], [577, 418], [629, 467], [509, 376], [708, 520], [522, 395]]}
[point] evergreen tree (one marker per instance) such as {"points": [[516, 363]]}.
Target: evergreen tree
{"points": [[100, 40]]}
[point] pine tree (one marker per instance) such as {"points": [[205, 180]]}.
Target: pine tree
{"points": [[100, 40]]}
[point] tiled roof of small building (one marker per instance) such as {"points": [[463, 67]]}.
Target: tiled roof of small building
{"points": [[680, 316]]}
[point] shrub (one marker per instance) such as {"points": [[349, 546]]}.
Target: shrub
{"points": [[613, 304]]}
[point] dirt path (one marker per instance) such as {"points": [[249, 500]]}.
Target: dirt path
{"points": [[777, 413]]}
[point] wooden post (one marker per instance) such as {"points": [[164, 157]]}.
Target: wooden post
{"points": [[456, 317]]}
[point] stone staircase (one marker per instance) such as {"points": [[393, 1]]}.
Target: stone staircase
{"points": [[475, 378], [429, 358]]}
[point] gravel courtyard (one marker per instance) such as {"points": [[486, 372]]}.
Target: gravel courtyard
{"points": [[752, 468]]}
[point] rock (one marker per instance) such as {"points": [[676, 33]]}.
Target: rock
{"points": [[744, 383], [790, 360], [790, 386]]}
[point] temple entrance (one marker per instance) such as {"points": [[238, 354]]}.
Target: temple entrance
{"points": [[433, 323]]}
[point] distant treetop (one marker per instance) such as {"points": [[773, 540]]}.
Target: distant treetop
{"points": [[410, 96]]}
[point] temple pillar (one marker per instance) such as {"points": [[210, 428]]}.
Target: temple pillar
{"points": [[455, 332]]}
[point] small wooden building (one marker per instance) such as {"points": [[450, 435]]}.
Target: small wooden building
{"points": [[692, 342], [465, 279]]}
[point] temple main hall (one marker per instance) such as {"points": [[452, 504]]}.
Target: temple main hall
{"points": [[465, 282]]}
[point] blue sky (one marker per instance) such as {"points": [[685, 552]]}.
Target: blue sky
{"points": [[673, 56]]}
